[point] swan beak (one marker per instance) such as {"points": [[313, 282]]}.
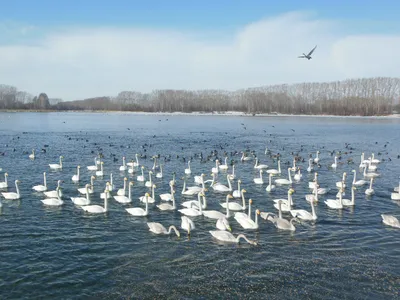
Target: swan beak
{"points": [[229, 228]]}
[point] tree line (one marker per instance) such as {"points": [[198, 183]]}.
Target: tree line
{"points": [[364, 97]]}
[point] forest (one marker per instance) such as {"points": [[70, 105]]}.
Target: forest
{"points": [[361, 97]]}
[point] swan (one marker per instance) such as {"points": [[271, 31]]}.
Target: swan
{"points": [[316, 159], [80, 200], [335, 203], [310, 167], [111, 186], [131, 169], [56, 192], [234, 205], [124, 199], [223, 224], [313, 184], [245, 158], [94, 167], [341, 184], [215, 169], [242, 214], [97, 209], [334, 165], [390, 220], [199, 179], [123, 167], [248, 223], [192, 212], [4, 184], [237, 193], [195, 203], [138, 211], [158, 228], [227, 237], [121, 192], [259, 180], [91, 189], [312, 197], [371, 167], [286, 205], [363, 162], [155, 166], [56, 201], [232, 176], [298, 175], [374, 160], [294, 168], [369, 175], [257, 166], [225, 165], [370, 190], [141, 177], [100, 173], [151, 199], [102, 195], [32, 156], [270, 187], [303, 214], [282, 181], [187, 224], [11, 195], [283, 224], [214, 214], [76, 177], [348, 202], [136, 163], [275, 171], [57, 166], [167, 206], [396, 195], [173, 181], [149, 183], [223, 188], [41, 188], [160, 174], [192, 191], [168, 196], [188, 170], [358, 182]]}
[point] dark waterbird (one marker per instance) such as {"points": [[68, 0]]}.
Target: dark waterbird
{"points": [[308, 56]]}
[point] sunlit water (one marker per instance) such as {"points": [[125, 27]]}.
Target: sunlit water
{"points": [[67, 253]]}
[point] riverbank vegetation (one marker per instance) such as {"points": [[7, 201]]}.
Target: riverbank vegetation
{"points": [[363, 97]]}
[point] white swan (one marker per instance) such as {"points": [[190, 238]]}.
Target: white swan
{"points": [[122, 192], [149, 183], [155, 166], [158, 228], [334, 165], [32, 155], [187, 224], [94, 167], [111, 186], [131, 168], [350, 202], [11, 195], [313, 184], [270, 187], [41, 188], [371, 174], [234, 205], [232, 176], [91, 189], [190, 192], [138, 211], [80, 201], [370, 190], [275, 171], [396, 195], [363, 162], [374, 160], [151, 199], [222, 188], [303, 214], [259, 180], [294, 168], [335, 203], [167, 206], [160, 174], [223, 224], [57, 166], [124, 199], [286, 204], [76, 177], [195, 203], [214, 214], [282, 181], [237, 193], [215, 169], [297, 177], [199, 179], [4, 184], [310, 167], [371, 167], [193, 212], [358, 182], [283, 224], [390, 220], [123, 167], [316, 159], [55, 193], [136, 163], [312, 197], [97, 209], [100, 173], [225, 236], [168, 196], [54, 201], [257, 166], [248, 223], [141, 177], [245, 158], [188, 170], [341, 184], [225, 165]]}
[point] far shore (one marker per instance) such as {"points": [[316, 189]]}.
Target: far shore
{"points": [[197, 113]]}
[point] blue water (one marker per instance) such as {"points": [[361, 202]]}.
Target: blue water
{"points": [[51, 253]]}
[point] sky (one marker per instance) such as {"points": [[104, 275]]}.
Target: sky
{"points": [[80, 49]]}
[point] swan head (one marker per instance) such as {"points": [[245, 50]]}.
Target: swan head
{"points": [[202, 175], [291, 191], [257, 211], [61, 157], [5, 174], [353, 171], [147, 195], [142, 167], [229, 196], [125, 179], [239, 181], [250, 201], [79, 167], [93, 177], [154, 186], [244, 191], [107, 183], [17, 181], [353, 187], [131, 183]]}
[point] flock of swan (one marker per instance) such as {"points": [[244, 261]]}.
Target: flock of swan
{"points": [[235, 204]]}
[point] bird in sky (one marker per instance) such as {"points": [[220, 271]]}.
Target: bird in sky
{"points": [[308, 56]]}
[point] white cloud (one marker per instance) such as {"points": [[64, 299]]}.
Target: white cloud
{"points": [[79, 63]]}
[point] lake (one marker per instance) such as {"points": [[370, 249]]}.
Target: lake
{"points": [[64, 252]]}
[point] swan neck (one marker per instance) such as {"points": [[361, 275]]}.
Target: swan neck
{"points": [[152, 192], [279, 166], [227, 207], [229, 183], [243, 201], [17, 188], [105, 201], [184, 185], [313, 210], [280, 209], [130, 192], [44, 180]]}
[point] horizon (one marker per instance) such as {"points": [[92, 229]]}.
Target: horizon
{"points": [[93, 49]]}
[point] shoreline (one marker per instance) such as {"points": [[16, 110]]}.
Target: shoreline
{"points": [[197, 113]]}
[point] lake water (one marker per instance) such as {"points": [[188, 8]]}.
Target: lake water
{"points": [[51, 253]]}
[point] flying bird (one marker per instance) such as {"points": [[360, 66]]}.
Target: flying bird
{"points": [[308, 56]]}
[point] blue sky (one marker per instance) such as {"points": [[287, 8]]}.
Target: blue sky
{"points": [[78, 49]]}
